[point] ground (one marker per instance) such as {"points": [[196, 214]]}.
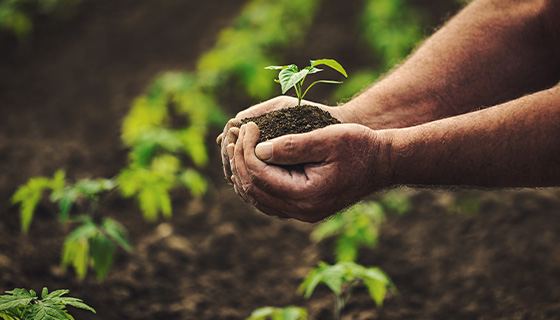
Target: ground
{"points": [[63, 95]]}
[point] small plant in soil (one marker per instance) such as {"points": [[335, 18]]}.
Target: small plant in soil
{"points": [[291, 77], [342, 278], [20, 304], [300, 118], [271, 313]]}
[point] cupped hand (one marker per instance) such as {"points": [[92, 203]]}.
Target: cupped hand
{"points": [[309, 176], [226, 140]]}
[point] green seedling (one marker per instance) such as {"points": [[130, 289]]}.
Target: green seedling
{"points": [[271, 313], [94, 242], [356, 227], [291, 77], [20, 304], [342, 278]]}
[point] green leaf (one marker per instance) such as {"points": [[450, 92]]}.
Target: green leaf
{"points": [[330, 63], [277, 67], [194, 181], [290, 77], [261, 313], [46, 311], [346, 249], [15, 298], [116, 232], [28, 196], [102, 251]]}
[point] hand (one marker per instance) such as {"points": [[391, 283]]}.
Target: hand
{"points": [[309, 176], [226, 140]]}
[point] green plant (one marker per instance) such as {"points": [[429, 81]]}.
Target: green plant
{"points": [[20, 304], [95, 240], [287, 313], [358, 226], [291, 77], [343, 277]]}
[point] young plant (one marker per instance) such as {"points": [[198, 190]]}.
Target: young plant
{"points": [[291, 77], [20, 304], [271, 313], [92, 243], [358, 226], [342, 278]]}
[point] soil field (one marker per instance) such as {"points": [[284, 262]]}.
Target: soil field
{"points": [[63, 95]]}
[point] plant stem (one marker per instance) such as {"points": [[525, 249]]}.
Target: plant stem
{"points": [[338, 306]]}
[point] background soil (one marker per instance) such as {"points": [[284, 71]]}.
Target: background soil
{"points": [[63, 95]]}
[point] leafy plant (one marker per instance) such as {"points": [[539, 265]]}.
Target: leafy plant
{"points": [[287, 313], [29, 195], [291, 77], [93, 242], [20, 304], [358, 226], [343, 277]]}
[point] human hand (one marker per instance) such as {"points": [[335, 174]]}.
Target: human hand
{"points": [[226, 140], [309, 176]]}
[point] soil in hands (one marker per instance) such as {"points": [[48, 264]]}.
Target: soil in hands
{"points": [[297, 119]]}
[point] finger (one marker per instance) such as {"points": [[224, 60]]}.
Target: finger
{"points": [[238, 164], [219, 139], [310, 147]]}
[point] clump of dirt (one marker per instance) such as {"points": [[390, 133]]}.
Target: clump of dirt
{"points": [[297, 119]]}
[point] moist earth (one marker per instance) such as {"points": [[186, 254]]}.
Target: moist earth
{"points": [[298, 119]]}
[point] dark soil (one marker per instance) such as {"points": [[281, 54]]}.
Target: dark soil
{"points": [[63, 95], [298, 119]]}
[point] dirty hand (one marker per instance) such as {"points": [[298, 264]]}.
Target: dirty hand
{"points": [[309, 176], [228, 137]]}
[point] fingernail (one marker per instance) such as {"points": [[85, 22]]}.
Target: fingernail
{"points": [[263, 150], [233, 179], [229, 149]]}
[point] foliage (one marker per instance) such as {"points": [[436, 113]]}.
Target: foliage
{"points": [[353, 228], [20, 304], [287, 313], [94, 244], [291, 77], [391, 28], [29, 195], [343, 277], [16, 15]]}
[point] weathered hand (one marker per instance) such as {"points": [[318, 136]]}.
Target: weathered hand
{"points": [[309, 176], [226, 140]]}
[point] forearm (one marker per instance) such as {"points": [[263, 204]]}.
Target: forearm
{"points": [[516, 144], [491, 52]]}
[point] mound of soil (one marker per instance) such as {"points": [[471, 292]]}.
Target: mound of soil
{"points": [[298, 119]]}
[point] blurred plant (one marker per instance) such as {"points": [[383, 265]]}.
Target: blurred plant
{"points": [[291, 77], [16, 15], [95, 240], [287, 313], [342, 278], [391, 28], [20, 304], [358, 226]]}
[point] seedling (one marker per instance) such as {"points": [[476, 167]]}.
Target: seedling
{"points": [[356, 227], [342, 278], [291, 77], [271, 313], [20, 304], [93, 242]]}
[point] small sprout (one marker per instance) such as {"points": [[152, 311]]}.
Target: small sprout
{"points": [[343, 277], [271, 313], [290, 76]]}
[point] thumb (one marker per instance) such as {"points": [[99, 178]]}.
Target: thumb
{"points": [[293, 149]]}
